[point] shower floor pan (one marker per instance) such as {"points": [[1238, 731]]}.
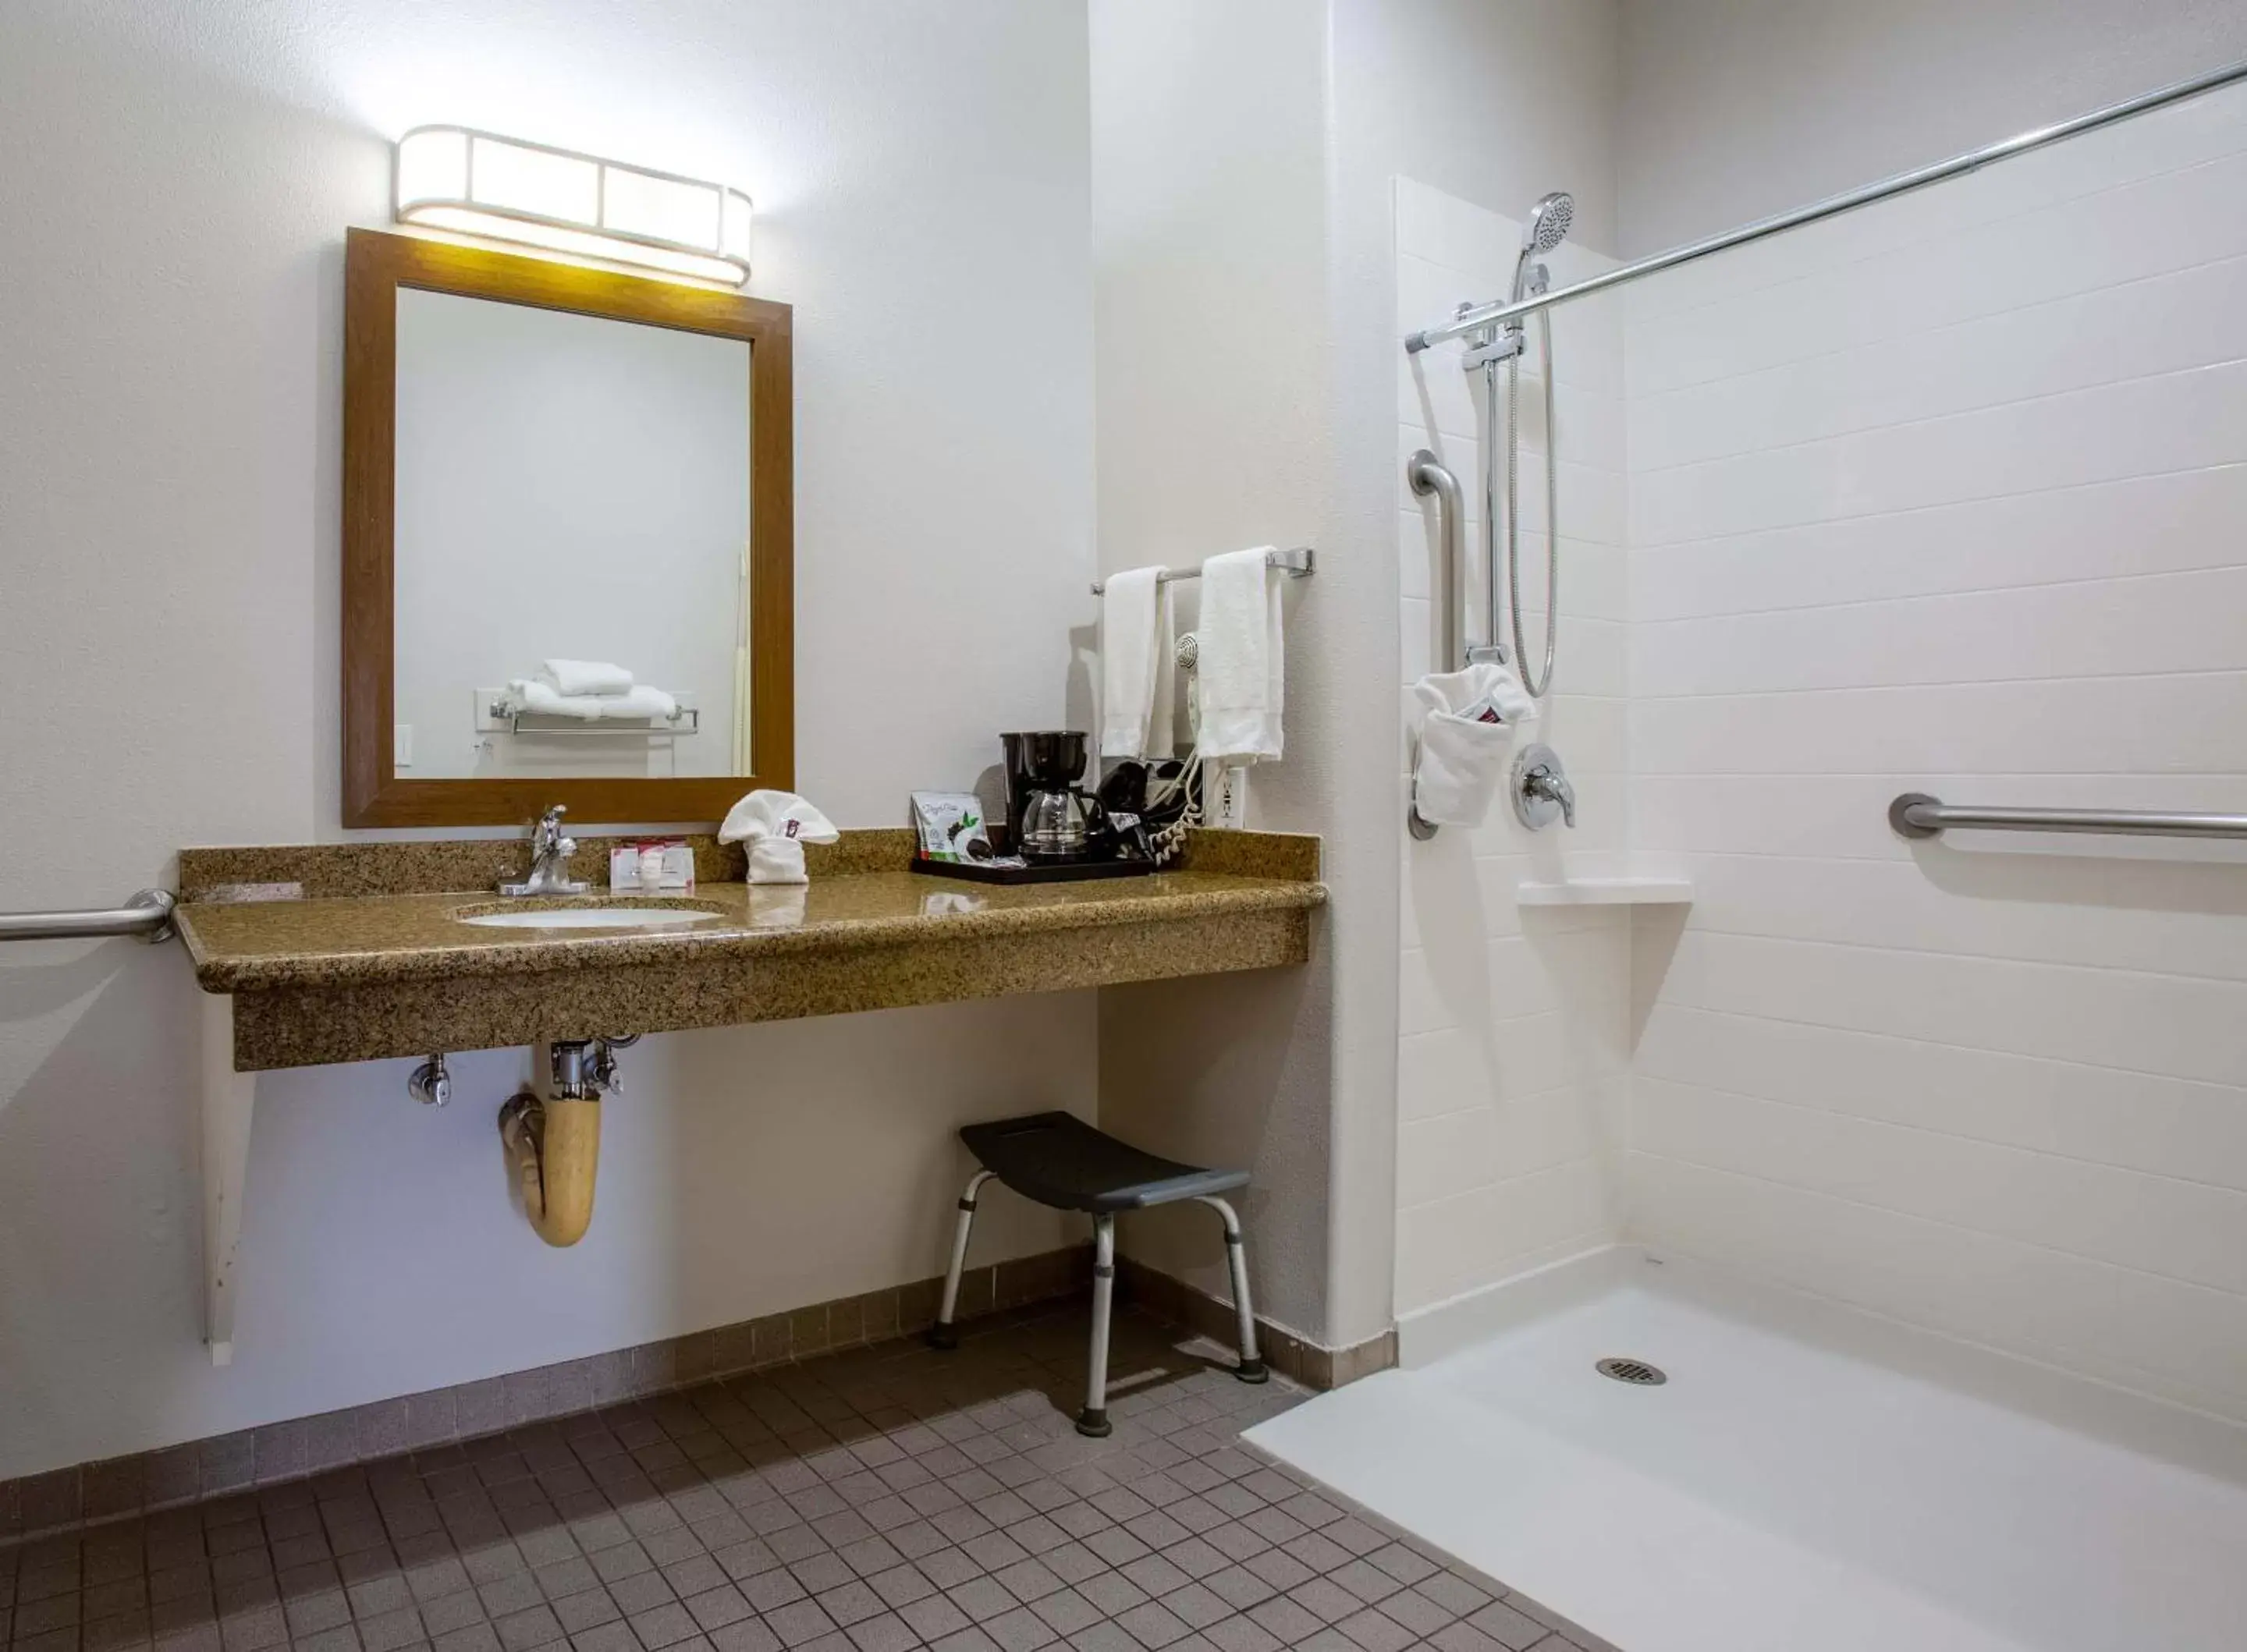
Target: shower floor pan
{"points": [[1804, 1477]]}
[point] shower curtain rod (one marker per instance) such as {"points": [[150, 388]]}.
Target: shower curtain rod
{"points": [[1497, 313]]}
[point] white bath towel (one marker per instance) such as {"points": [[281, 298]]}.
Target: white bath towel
{"points": [[776, 825], [1136, 668], [640, 702], [1242, 668], [587, 677], [1466, 731]]}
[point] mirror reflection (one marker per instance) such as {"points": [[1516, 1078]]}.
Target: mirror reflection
{"points": [[572, 532]]}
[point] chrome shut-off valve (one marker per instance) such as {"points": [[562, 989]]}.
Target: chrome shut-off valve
{"points": [[1542, 791], [429, 1084]]}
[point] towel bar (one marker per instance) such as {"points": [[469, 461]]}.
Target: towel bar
{"points": [[504, 714], [1297, 563]]}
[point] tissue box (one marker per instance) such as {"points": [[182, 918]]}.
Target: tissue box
{"points": [[678, 867]]}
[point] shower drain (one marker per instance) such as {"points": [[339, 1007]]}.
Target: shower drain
{"points": [[1636, 1372]]}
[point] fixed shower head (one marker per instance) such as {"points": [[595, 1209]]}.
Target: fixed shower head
{"points": [[1546, 228]]}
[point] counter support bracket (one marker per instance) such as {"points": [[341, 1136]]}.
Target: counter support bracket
{"points": [[229, 1098]]}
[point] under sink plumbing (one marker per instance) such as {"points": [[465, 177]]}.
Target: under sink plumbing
{"points": [[430, 1084], [553, 1141]]}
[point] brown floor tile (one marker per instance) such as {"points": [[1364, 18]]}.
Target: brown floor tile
{"points": [[881, 1499]]}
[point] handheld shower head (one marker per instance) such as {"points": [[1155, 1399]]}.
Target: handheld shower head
{"points": [[1546, 228]]}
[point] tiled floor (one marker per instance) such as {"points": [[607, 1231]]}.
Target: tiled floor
{"points": [[875, 1501]]}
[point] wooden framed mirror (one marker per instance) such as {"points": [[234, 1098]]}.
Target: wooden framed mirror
{"points": [[549, 469]]}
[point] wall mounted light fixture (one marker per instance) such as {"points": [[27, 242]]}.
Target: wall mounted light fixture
{"points": [[482, 184]]}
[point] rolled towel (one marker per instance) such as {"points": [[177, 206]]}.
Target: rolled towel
{"points": [[776, 825], [1135, 665], [1242, 664], [541, 698], [1466, 728], [586, 677]]}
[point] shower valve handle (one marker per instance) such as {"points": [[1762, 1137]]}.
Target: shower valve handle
{"points": [[1541, 788], [1555, 788]]}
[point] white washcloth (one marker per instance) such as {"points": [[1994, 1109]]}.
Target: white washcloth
{"points": [[776, 826], [1242, 665], [1461, 760], [1467, 691], [1136, 669], [540, 698], [587, 677]]}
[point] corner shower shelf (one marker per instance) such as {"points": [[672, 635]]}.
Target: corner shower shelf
{"points": [[1610, 891]]}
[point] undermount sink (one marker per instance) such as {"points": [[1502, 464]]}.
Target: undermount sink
{"points": [[618, 916]]}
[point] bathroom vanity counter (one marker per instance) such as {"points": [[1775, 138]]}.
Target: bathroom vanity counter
{"points": [[347, 966]]}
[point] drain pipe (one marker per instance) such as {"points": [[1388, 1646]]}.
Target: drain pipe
{"points": [[553, 1143]]}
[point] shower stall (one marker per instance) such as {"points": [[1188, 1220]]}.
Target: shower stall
{"points": [[1822, 1177]]}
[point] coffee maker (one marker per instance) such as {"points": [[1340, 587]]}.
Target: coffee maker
{"points": [[1049, 819]]}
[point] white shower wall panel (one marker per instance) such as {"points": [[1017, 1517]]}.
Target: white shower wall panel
{"points": [[1952, 496], [1513, 1055]]}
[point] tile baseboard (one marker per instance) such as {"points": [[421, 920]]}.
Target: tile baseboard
{"points": [[1310, 1363], [89, 1493]]}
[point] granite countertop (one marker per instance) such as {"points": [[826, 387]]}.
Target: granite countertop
{"points": [[353, 951], [260, 945]]}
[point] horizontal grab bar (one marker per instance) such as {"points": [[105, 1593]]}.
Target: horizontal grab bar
{"points": [[147, 915], [1917, 814]]}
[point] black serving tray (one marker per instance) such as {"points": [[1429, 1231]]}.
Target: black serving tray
{"points": [[1064, 871]]}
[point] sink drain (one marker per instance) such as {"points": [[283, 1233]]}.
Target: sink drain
{"points": [[1638, 1373]]}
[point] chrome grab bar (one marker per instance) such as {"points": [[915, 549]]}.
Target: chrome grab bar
{"points": [[1427, 476], [147, 915], [1917, 814]]}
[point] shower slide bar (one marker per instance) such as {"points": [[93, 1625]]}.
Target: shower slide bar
{"points": [[1296, 563], [147, 915], [1497, 313], [1917, 814]]}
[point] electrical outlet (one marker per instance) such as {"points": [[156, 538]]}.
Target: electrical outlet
{"points": [[1231, 800]]}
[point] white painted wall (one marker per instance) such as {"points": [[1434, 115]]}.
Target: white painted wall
{"points": [[1513, 1042], [179, 180], [1208, 128], [568, 487], [1243, 164], [1948, 496]]}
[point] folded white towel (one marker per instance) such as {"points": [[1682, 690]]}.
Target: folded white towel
{"points": [[586, 677], [1242, 664], [776, 825], [1467, 730], [1135, 670], [541, 698]]}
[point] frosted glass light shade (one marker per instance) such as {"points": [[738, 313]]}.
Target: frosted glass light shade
{"points": [[482, 184]]}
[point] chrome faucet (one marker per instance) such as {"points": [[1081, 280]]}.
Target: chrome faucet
{"points": [[1541, 788], [550, 859]]}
